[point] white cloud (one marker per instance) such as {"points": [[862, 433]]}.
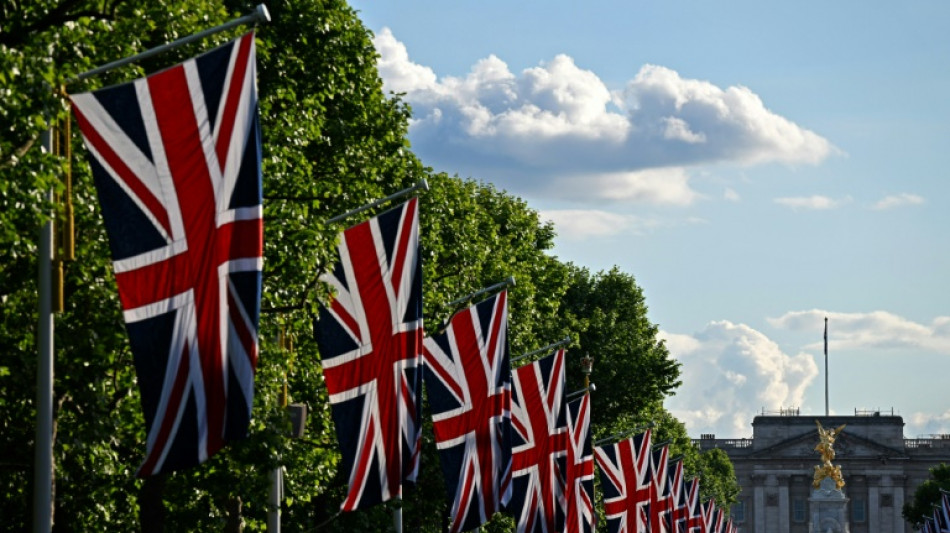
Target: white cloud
{"points": [[925, 424], [731, 195], [898, 200], [815, 202], [731, 371], [659, 186], [577, 224], [733, 123], [398, 73], [876, 330], [556, 122]]}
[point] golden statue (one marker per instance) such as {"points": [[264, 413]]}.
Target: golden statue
{"points": [[827, 451]]}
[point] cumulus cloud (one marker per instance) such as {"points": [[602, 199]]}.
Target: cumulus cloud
{"points": [[658, 186], [897, 200], [878, 330], [731, 371], [557, 122], [815, 202], [925, 424], [579, 224]]}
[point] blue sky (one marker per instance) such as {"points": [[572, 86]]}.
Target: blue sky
{"points": [[757, 167]]}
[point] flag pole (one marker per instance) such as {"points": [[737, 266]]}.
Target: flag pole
{"points": [[510, 282], [43, 462], [260, 14], [561, 342], [275, 491], [397, 515], [423, 184], [581, 392], [624, 434], [826, 367]]}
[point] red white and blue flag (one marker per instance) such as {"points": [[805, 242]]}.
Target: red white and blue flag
{"points": [[709, 513], [940, 522], [176, 160], [539, 445], [679, 511], [370, 340], [719, 521], [695, 522], [661, 501], [468, 382], [625, 478], [730, 526], [944, 512], [580, 468]]}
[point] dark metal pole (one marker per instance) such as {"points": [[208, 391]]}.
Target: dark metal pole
{"points": [[43, 464], [510, 282], [424, 185], [561, 342], [259, 14], [826, 367]]}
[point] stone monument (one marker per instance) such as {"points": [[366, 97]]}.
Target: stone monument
{"points": [[828, 504]]}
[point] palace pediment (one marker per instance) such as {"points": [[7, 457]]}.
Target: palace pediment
{"points": [[847, 448]]}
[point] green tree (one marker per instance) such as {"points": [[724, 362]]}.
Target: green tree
{"points": [[633, 370], [927, 495], [332, 141]]}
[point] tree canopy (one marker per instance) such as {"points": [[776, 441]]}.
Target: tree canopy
{"points": [[920, 507], [332, 140]]}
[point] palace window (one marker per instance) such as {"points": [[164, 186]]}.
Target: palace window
{"points": [[738, 511], [799, 512], [858, 509]]}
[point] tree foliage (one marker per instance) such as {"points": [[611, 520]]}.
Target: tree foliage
{"points": [[634, 370], [920, 507], [332, 141]]}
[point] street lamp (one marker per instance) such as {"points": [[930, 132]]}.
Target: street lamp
{"points": [[587, 364]]}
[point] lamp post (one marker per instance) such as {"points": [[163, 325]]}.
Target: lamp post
{"points": [[587, 364]]}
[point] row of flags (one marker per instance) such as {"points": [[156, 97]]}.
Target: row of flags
{"points": [[940, 521], [508, 440], [176, 160], [645, 491]]}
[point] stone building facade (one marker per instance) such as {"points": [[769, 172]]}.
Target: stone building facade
{"points": [[881, 469]]}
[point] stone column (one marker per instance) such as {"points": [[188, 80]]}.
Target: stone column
{"points": [[758, 504], [898, 482], [874, 503], [783, 512]]}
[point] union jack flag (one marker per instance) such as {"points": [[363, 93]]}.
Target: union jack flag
{"points": [[719, 521], [539, 445], [661, 502], [694, 521], [709, 512], [176, 162], [730, 526], [944, 512], [580, 468], [370, 340], [468, 379], [940, 523], [625, 476], [678, 510]]}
